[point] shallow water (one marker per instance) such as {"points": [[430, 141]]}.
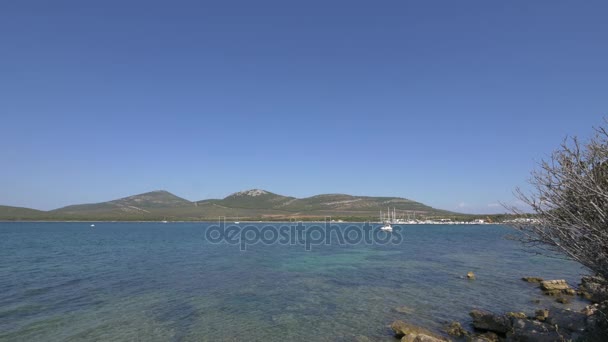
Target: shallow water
{"points": [[164, 282]]}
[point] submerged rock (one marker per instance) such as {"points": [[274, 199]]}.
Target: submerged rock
{"points": [[556, 325], [516, 315], [569, 292], [420, 338], [484, 320], [597, 324], [527, 330], [571, 321], [456, 330], [563, 300], [485, 337], [404, 309], [541, 314], [593, 289], [554, 293], [532, 279], [411, 333], [590, 309]]}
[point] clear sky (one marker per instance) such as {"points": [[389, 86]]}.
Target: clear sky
{"points": [[450, 103]]}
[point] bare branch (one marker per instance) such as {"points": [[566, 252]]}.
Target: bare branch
{"points": [[569, 198]]}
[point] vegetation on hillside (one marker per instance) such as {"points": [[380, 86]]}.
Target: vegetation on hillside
{"points": [[254, 205]]}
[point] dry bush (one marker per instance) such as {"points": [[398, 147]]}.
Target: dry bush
{"points": [[569, 199]]}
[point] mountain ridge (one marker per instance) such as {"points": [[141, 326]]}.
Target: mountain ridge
{"points": [[255, 204]]}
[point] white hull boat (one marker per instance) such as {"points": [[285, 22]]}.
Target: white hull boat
{"points": [[387, 228]]}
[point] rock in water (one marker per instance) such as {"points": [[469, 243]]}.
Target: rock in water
{"points": [[471, 275], [485, 337], [532, 279], [527, 330], [456, 330], [590, 309], [593, 289], [571, 321], [550, 285], [420, 338], [542, 314], [484, 320], [555, 287], [517, 314], [411, 333], [569, 292], [400, 328]]}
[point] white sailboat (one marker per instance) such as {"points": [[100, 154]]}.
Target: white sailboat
{"points": [[387, 228], [387, 221]]}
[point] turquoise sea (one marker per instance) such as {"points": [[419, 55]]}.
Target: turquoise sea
{"points": [[165, 282]]}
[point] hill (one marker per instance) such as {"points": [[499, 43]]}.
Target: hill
{"points": [[254, 204], [141, 202], [18, 213], [254, 199], [139, 206]]}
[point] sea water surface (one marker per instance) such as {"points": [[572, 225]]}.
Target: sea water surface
{"points": [[164, 282]]}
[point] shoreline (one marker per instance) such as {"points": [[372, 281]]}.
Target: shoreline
{"points": [[243, 222], [548, 323]]}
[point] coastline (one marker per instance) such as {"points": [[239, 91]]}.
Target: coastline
{"points": [[244, 221], [547, 323]]}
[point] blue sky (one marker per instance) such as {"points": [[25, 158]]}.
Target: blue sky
{"points": [[450, 103]]}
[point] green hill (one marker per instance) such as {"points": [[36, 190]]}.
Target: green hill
{"points": [[141, 202], [142, 206], [269, 205], [355, 203], [252, 204], [18, 213], [254, 199]]}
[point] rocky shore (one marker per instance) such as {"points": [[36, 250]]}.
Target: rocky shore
{"points": [[544, 325]]}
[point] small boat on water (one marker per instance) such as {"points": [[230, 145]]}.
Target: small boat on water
{"points": [[387, 228], [92, 225], [387, 220]]}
